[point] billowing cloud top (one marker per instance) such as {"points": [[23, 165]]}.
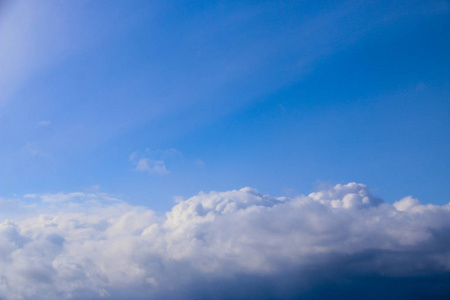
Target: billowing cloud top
{"points": [[235, 244]]}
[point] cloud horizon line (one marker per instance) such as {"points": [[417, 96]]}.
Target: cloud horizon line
{"points": [[89, 247]]}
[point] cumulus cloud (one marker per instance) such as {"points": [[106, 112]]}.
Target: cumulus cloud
{"points": [[153, 161], [222, 245], [151, 166]]}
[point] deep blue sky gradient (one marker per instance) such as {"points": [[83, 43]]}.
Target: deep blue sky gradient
{"points": [[280, 96]]}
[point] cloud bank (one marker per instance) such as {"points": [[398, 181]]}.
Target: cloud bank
{"points": [[340, 242]]}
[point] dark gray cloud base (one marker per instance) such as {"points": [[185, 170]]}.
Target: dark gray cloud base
{"points": [[335, 243]]}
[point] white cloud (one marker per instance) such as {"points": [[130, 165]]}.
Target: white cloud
{"points": [[151, 166], [213, 244], [153, 161], [406, 203], [60, 197]]}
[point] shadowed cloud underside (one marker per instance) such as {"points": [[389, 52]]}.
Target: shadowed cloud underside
{"points": [[223, 245]]}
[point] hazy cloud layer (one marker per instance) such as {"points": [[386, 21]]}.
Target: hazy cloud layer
{"points": [[235, 244]]}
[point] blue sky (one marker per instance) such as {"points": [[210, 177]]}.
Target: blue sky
{"points": [[224, 149], [280, 96]]}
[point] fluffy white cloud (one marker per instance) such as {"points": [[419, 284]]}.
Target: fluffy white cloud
{"points": [[151, 166], [153, 161], [214, 244]]}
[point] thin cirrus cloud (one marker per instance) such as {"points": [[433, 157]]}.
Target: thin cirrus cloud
{"points": [[226, 245]]}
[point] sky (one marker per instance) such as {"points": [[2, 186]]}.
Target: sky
{"points": [[180, 137]]}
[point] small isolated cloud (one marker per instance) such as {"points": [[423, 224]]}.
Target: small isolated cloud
{"points": [[332, 244], [33, 149], [199, 163], [166, 153], [153, 161], [60, 197], [44, 123], [38, 151], [151, 166]]}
